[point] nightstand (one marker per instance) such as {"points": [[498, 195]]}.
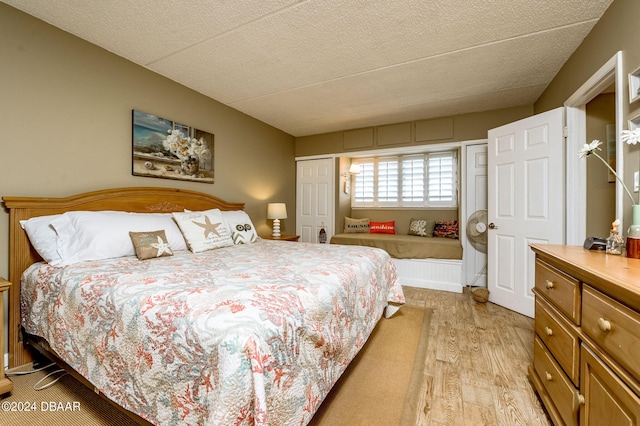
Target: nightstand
{"points": [[5, 383], [282, 237]]}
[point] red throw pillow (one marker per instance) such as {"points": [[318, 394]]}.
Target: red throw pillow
{"points": [[382, 227]]}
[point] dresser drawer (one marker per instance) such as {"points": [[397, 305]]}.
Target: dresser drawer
{"points": [[560, 389], [562, 290], [614, 327], [559, 337]]}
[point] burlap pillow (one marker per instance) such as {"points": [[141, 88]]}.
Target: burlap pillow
{"points": [[356, 226], [149, 245]]}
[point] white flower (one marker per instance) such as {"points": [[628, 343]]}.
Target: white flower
{"points": [[631, 137], [184, 147], [590, 149]]}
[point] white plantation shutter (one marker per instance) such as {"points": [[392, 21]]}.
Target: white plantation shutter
{"points": [[413, 178], [387, 181], [364, 187], [441, 189], [424, 180]]}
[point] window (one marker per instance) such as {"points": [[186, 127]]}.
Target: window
{"points": [[423, 180]]}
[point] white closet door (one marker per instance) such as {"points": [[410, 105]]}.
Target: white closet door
{"points": [[314, 198], [475, 259]]}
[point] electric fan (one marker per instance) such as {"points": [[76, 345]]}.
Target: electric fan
{"points": [[477, 230], [477, 236]]}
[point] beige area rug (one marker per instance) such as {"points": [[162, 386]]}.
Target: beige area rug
{"points": [[382, 384], [67, 403], [380, 387]]}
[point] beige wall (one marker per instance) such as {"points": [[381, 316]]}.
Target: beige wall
{"points": [[65, 109], [616, 31], [601, 194], [456, 128]]}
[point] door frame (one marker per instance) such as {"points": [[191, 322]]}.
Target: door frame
{"points": [[576, 168]]}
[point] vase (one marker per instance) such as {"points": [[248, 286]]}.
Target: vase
{"points": [[190, 165], [633, 234]]}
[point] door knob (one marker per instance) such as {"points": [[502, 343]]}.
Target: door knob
{"points": [[492, 226]]}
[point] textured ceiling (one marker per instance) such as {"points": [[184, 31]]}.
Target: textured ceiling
{"points": [[316, 66]]}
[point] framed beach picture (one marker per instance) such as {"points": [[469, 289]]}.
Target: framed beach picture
{"points": [[166, 149], [610, 133]]}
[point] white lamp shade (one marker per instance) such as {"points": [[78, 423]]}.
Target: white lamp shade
{"points": [[276, 211], [354, 168]]}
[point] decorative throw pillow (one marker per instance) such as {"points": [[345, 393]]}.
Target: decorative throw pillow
{"points": [[240, 226], [446, 229], [356, 226], [204, 230], [421, 227], [382, 227], [149, 245]]}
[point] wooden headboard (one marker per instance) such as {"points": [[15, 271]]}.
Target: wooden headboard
{"points": [[135, 199]]}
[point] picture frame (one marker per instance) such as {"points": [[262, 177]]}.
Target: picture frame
{"points": [[634, 85], [610, 136], [162, 148], [634, 122]]}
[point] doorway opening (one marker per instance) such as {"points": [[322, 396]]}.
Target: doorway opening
{"points": [[607, 78]]}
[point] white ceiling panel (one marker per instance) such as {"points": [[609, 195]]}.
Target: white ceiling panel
{"points": [[316, 66]]}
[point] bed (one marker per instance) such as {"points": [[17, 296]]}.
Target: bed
{"points": [[253, 333]]}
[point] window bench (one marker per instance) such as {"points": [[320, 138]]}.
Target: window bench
{"points": [[434, 263]]}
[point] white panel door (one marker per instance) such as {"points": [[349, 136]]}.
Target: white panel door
{"points": [[314, 199], [525, 203], [475, 255]]}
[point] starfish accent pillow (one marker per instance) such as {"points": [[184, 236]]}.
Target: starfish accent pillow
{"points": [[205, 230], [149, 245], [421, 227]]}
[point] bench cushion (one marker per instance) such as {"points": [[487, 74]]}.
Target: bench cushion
{"points": [[405, 246]]}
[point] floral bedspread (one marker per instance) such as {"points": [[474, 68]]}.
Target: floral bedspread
{"points": [[248, 334]]}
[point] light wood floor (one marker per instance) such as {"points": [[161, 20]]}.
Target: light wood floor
{"points": [[476, 363]]}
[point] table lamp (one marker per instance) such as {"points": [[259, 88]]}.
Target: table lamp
{"points": [[276, 211]]}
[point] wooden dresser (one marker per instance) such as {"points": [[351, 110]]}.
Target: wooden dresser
{"points": [[586, 355]]}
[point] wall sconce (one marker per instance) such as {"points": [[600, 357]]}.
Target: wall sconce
{"points": [[354, 169], [276, 211]]}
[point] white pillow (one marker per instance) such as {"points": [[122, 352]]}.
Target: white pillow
{"points": [[85, 235], [240, 226], [204, 230], [42, 236]]}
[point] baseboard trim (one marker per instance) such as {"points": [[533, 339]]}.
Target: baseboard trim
{"points": [[435, 274]]}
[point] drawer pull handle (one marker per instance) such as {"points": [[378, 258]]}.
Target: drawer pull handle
{"points": [[604, 325], [548, 375], [549, 284], [579, 398], [548, 331]]}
